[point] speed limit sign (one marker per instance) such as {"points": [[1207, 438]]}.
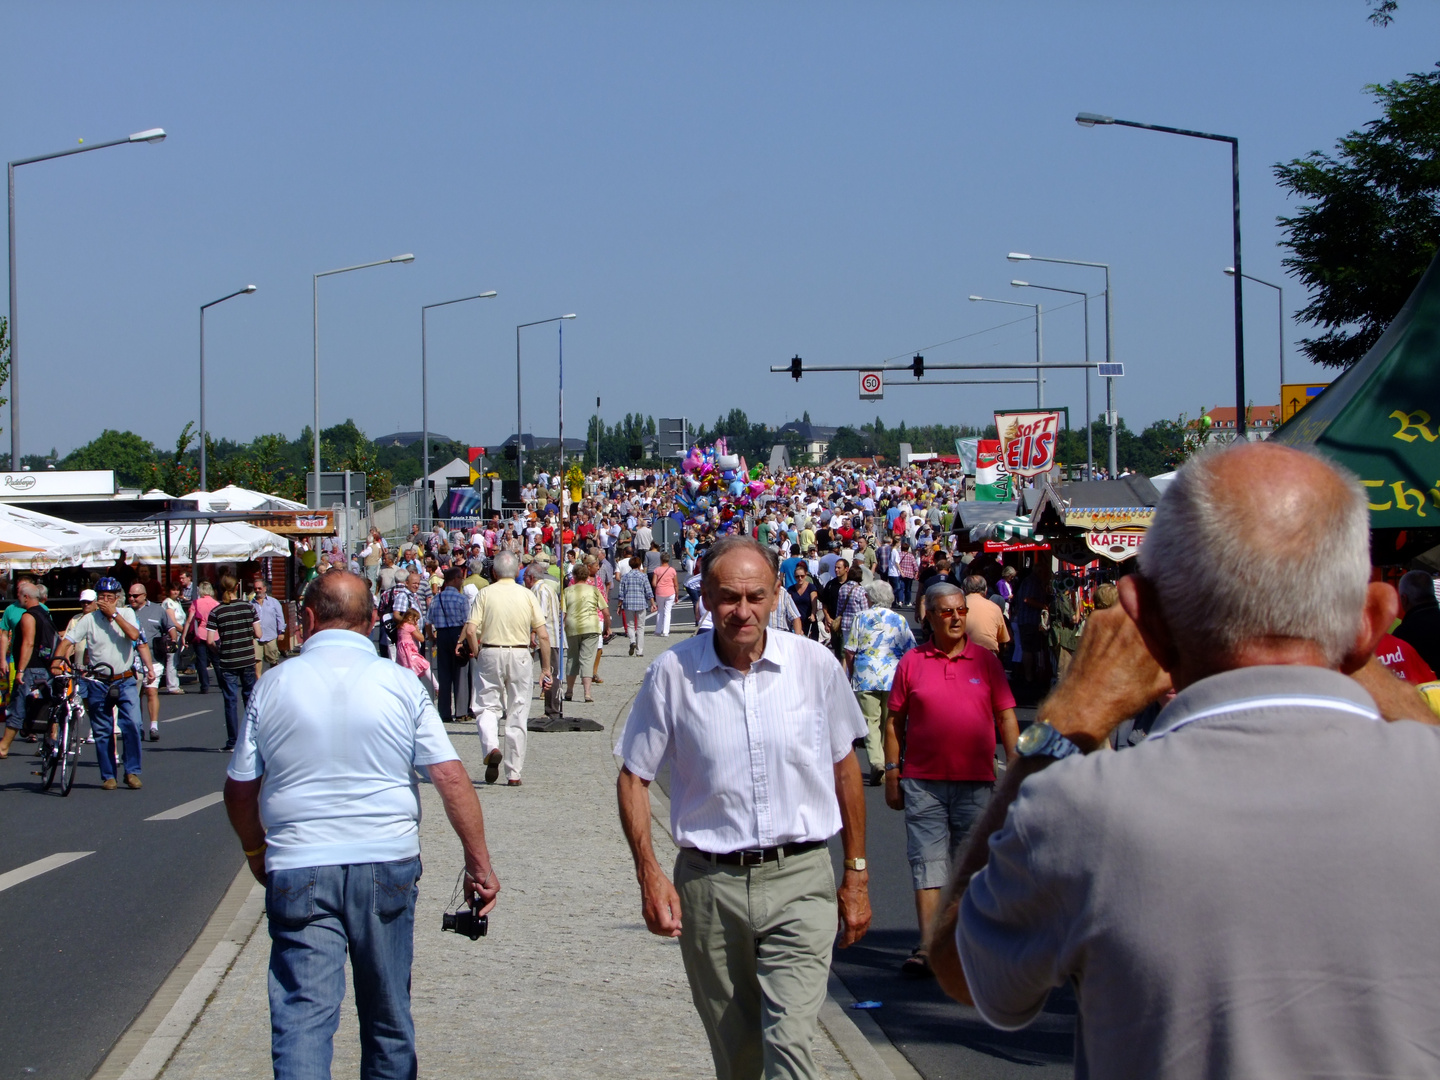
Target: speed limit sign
{"points": [[872, 385]]}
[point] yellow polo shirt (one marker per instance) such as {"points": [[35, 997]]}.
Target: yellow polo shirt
{"points": [[505, 613]]}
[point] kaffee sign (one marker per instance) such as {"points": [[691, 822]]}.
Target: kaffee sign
{"points": [[1116, 544]]}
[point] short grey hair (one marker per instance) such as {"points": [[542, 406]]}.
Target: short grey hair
{"points": [[42, 592], [27, 588], [939, 589], [205, 589], [1260, 578], [1416, 587], [975, 583], [505, 565], [728, 545], [879, 593]]}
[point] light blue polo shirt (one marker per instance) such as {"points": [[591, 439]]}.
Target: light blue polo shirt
{"points": [[336, 734]]}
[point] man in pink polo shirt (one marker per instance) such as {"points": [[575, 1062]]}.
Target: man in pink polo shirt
{"points": [[948, 703]]}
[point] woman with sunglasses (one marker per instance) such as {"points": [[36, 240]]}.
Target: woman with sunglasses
{"points": [[807, 600]]}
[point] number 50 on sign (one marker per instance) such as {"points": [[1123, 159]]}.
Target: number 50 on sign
{"points": [[872, 385]]}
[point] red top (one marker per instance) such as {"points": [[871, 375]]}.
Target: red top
{"points": [[952, 708], [1402, 660]]}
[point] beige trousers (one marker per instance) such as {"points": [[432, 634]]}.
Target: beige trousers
{"points": [[756, 942], [506, 680], [874, 706]]}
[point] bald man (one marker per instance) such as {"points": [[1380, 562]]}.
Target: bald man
{"points": [[1244, 892]]}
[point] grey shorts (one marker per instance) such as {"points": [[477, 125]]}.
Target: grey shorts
{"points": [[580, 657], [939, 815]]}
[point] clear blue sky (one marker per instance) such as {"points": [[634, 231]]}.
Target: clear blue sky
{"points": [[711, 187]]}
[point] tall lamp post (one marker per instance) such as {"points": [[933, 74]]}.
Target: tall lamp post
{"points": [[316, 312], [425, 399], [1085, 300], [1039, 345], [151, 135], [519, 422], [1016, 256], [247, 290], [1281, 297], [1086, 119]]}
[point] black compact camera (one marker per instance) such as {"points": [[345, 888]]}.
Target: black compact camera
{"points": [[470, 923]]}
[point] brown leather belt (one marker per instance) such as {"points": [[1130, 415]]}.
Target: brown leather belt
{"points": [[122, 678], [756, 856]]}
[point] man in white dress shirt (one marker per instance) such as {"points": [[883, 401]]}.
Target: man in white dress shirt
{"points": [[757, 729]]}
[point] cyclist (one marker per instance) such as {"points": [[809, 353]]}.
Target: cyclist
{"points": [[34, 646], [110, 634]]}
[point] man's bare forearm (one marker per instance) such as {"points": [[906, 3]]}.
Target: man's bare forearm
{"points": [[633, 795], [850, 794], [457, 793]]}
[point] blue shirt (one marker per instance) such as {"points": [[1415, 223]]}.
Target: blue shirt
{"points": [[788, 569], [878, 637], [449, 609], [336, 734], [271, 617]]}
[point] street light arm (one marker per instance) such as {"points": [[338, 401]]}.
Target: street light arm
{"points": [[230, 296], [366, 266], [77, 150], [478, 296]]}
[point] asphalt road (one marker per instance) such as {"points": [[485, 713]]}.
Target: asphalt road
{"points": [[83, 947]]}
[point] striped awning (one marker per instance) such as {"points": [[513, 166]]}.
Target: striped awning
{"points": [[1016, 528]]}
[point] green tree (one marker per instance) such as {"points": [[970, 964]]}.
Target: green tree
{"points": [[173, 474], [345, 448], [1372, 222], [126, 453]]}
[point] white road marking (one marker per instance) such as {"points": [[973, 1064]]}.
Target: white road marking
{"points": [[185, 809], [185, 716], [40, 866]]}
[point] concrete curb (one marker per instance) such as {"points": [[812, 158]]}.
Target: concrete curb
{"points": [[860, 1040], [146, 1047]]}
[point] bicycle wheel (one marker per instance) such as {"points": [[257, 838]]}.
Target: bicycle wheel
{"points": [[54, 750], [73, 742]]}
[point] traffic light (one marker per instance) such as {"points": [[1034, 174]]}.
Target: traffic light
{"points": [[917, 366], [796, 369]]}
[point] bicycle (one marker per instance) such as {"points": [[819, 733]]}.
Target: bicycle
{"points": [[69, 721]]}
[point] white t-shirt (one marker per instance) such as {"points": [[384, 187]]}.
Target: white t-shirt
{"points": [[336, 733]]}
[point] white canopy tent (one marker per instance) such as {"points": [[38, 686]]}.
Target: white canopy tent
{"points": [[30, 540], [239, 499], [218, 542]]}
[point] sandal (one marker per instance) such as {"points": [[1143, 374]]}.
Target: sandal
{"points": [[590, 701], [917, 966], [597, 680]]}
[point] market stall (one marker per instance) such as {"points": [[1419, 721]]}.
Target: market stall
{"points": [[1094, 520]]}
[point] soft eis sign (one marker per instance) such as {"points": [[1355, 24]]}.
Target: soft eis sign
{"points": [[1027, 441]]}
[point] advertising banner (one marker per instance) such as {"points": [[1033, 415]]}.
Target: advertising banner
{"points": [[992, 479], [1116, 544], [1027, 441]]}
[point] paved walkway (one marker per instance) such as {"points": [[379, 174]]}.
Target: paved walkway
{"points": [[568, 982]]}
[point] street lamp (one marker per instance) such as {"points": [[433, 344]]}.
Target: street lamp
{"points": [[1259, 281], [246, 291], [316, 313], [1086, 119], [519, 422], [425, 400], [1039, 345], [1085, 300], [150, 135], [1110, 424]]}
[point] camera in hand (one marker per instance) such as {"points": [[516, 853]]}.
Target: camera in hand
{"points": [[469, 924]]}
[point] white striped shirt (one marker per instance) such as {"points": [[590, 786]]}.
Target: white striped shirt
{"points": [[751, 755]]}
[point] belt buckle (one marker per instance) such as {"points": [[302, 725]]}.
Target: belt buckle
{"points": [[752, 857]]}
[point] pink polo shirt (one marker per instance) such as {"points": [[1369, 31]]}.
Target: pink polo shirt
{"points": [[951, 707]]}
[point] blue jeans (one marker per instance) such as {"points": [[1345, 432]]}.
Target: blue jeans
{"points": [[102, 726], [317, 914], [939, 815], [236, 686], [202, 665], [901, 587]]}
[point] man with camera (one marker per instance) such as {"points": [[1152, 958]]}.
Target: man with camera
{"points": [[757, 728], [1250, 891], [323, 795]]}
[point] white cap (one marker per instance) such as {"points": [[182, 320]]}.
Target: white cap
{"points": [[88, 596]]}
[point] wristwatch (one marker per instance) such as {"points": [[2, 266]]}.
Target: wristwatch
{"points": [[855, 864], [1042, 740]]}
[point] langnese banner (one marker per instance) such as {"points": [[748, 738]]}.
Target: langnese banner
{"points": [[992, 480], [1027, 441]]}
